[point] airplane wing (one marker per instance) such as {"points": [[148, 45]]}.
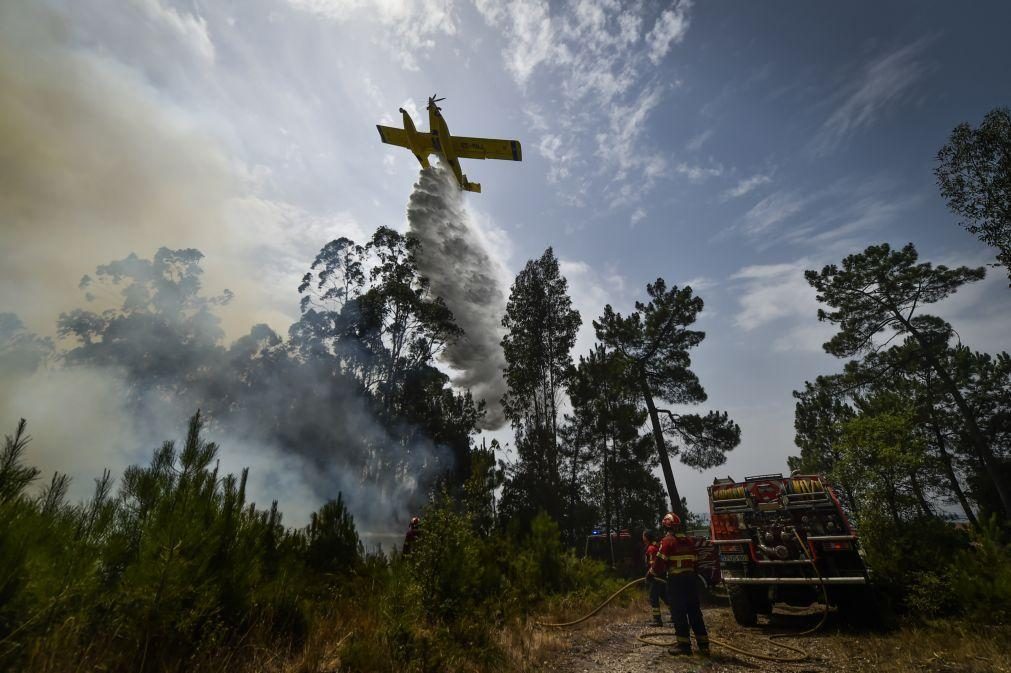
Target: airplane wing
{"points": [[487, 148], [395, 136]]}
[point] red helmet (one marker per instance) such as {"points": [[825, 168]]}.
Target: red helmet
{"points": [[415, 522], [670, 519]]}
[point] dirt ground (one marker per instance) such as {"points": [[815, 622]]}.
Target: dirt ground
{"points": [[608, 645]]}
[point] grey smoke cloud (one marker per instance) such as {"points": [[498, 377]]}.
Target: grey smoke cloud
{"points": [[95, 164], [456, 259]]}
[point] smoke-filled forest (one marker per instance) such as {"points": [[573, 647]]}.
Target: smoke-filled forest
{"points": [[244, 436]]}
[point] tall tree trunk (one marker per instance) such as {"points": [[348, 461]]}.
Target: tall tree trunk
{"points": [[607, 505], [848, 491], [552, 384], [921, 501], [572, 494], [661, 448], [949, 471], [893, 507]]}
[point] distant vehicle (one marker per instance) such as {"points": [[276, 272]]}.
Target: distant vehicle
{"points": [[629, 552], [772, 532], [450, 148]]}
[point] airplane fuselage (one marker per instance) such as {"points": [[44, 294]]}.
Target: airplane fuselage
{"points": [[439, 132], [449, 148], [439, 129]]}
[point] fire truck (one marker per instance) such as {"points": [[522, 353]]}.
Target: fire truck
{"points": [[781, 540]]}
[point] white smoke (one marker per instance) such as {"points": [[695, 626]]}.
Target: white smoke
{"points": [[455, 258]]}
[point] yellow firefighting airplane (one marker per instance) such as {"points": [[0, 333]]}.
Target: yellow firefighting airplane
{"points": [[449, 148]]}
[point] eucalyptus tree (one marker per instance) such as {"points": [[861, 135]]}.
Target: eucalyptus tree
{"points": [[541, 328]]}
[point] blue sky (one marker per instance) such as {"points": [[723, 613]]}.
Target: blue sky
{"points": [[728, 145]]}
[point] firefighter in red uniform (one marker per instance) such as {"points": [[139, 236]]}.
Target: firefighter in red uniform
{"points": [[413, 532], [657, 588], [676, 560]]}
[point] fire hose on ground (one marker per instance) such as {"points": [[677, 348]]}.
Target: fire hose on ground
{"points": [[652, 638]]}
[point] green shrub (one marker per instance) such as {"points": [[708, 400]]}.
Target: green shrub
{"points": [[175, 571], [981, 576], [333, 544], [171, 569], [909, 563], [445, 563], [929, 594]]}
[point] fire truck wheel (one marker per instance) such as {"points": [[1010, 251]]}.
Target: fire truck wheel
{"points": [[745, 612], [760, 599]]}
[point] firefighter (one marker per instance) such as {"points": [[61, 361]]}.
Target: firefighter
{"points": [[657, 589], [676, 560], [413, 533]]}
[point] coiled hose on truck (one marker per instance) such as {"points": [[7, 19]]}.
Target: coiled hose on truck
{"points": [[652, 639]]}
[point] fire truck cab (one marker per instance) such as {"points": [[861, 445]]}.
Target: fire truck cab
{"points": [[779, 540]]}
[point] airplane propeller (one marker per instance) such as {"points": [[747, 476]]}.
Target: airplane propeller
{"points": [[433, 100]]}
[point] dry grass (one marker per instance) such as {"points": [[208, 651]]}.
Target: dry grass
{"points": [[607, 641], [939, 646]]}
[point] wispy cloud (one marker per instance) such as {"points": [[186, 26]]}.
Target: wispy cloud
{"points": [[698, 140], [618, 143], [698, 173], [778, 296], [884, 83], [746, 186], [531, 34], [700, 283], [191, 29], [772, 291], [669, 29], [828, 219], [840, 226], [411, 25], [773, 210], [597, 54], [591, 288]]}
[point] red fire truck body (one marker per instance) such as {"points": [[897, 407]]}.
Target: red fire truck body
{"points": [[779, 539]]}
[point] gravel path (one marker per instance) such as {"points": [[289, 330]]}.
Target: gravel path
{"points": [[613, 648], [610, 646]]}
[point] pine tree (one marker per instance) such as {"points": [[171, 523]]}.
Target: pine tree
{"points": [[974, 174], [881, 289], [653, 345]]}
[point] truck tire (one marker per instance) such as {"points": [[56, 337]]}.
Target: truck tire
{"points": [[741, 605], [760, 599]]}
